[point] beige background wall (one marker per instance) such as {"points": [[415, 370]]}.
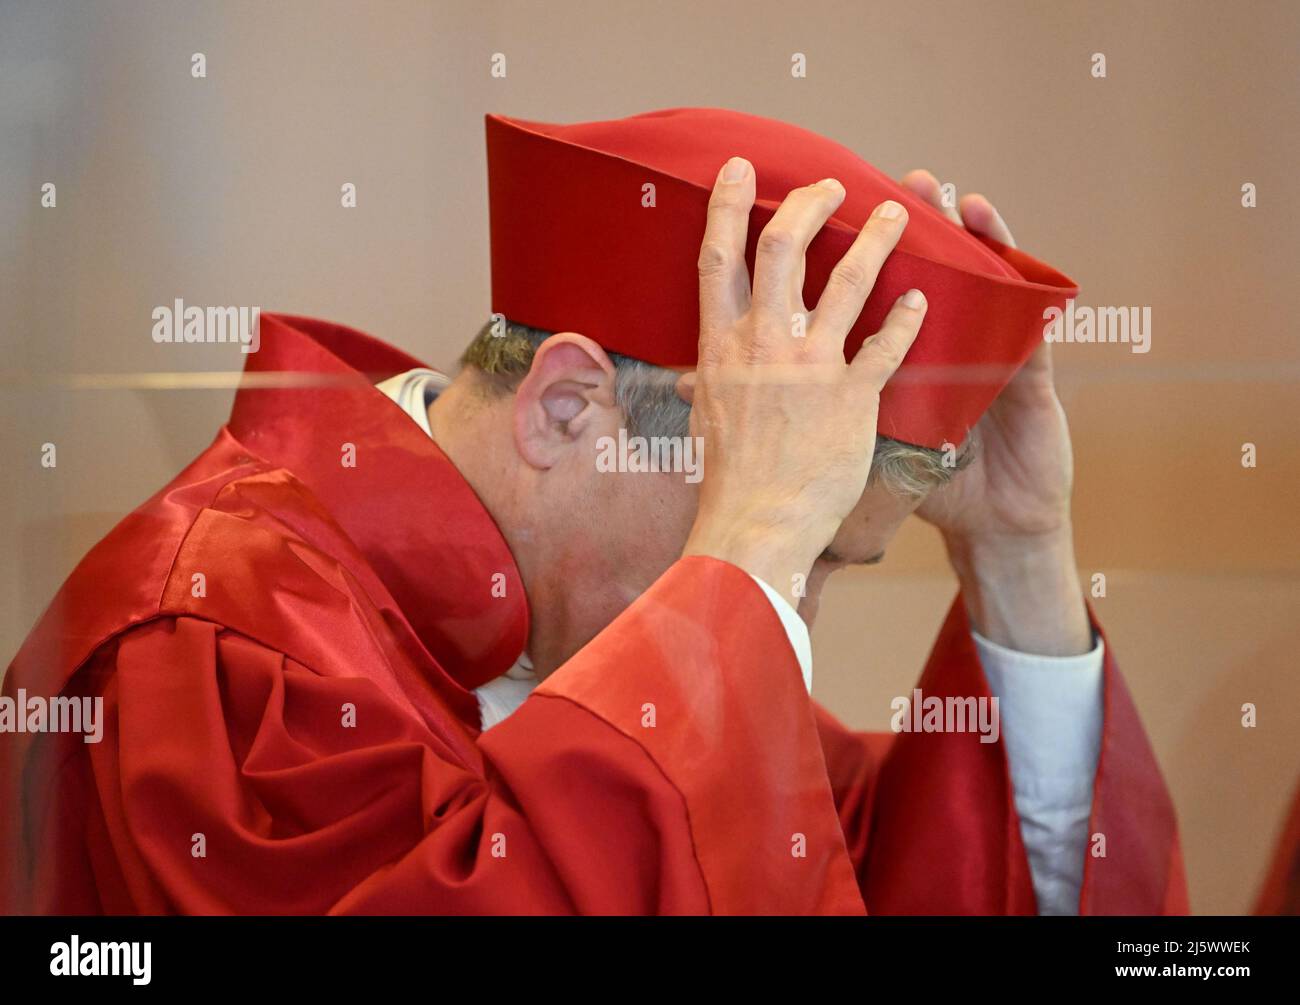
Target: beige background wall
{"points": [[226, 190]]}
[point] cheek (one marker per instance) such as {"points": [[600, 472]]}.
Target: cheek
{"points": [[860, 540], [867, 532]]}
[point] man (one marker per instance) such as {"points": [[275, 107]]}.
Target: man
{"points": [[352, 662]]}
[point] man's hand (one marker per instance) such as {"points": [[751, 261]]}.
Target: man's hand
{"points": [[789, 427], [1019, 484], [1006, 517]]}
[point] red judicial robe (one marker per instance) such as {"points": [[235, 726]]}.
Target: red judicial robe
{"points": [[233, 620], [1280, 892]]}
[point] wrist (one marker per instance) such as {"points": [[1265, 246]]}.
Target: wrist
{"points": [[1022, 591], [780, 563], [995, 551]]}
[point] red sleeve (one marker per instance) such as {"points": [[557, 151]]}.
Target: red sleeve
{"points": [[1280, 892], [671, 766], [700, 676], [930, 819]]}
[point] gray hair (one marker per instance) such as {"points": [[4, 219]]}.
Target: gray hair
{"points": [[503, 352]]}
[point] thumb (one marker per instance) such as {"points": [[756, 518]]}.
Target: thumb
{"points": [[686, 387]]}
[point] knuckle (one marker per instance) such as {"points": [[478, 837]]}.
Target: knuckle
{"points": [[849, 274], [775, 241], [714, 258], [887, 350], [891, 354], [710, 357]]}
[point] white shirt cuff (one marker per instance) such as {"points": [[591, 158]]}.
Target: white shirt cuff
{"points": [[1051, 711]]}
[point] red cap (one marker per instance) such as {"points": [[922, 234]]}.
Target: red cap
{"points": [[575, 248]]}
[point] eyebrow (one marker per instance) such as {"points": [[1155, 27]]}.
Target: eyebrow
{"points": [[831, 556]]}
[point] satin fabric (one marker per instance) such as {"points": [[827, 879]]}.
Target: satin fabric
{"points": [[575, 247], [674, 765]]}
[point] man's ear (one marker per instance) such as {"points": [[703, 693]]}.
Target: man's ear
{"points": [[568, 388]]}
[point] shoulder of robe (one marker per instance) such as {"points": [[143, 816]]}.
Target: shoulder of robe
{"points": [[265, 559], [120, 582], [231, 541]]}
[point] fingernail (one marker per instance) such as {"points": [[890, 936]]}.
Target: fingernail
{"points": [[888, 211], [831, 184], [735, 169], [914, 299]]}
